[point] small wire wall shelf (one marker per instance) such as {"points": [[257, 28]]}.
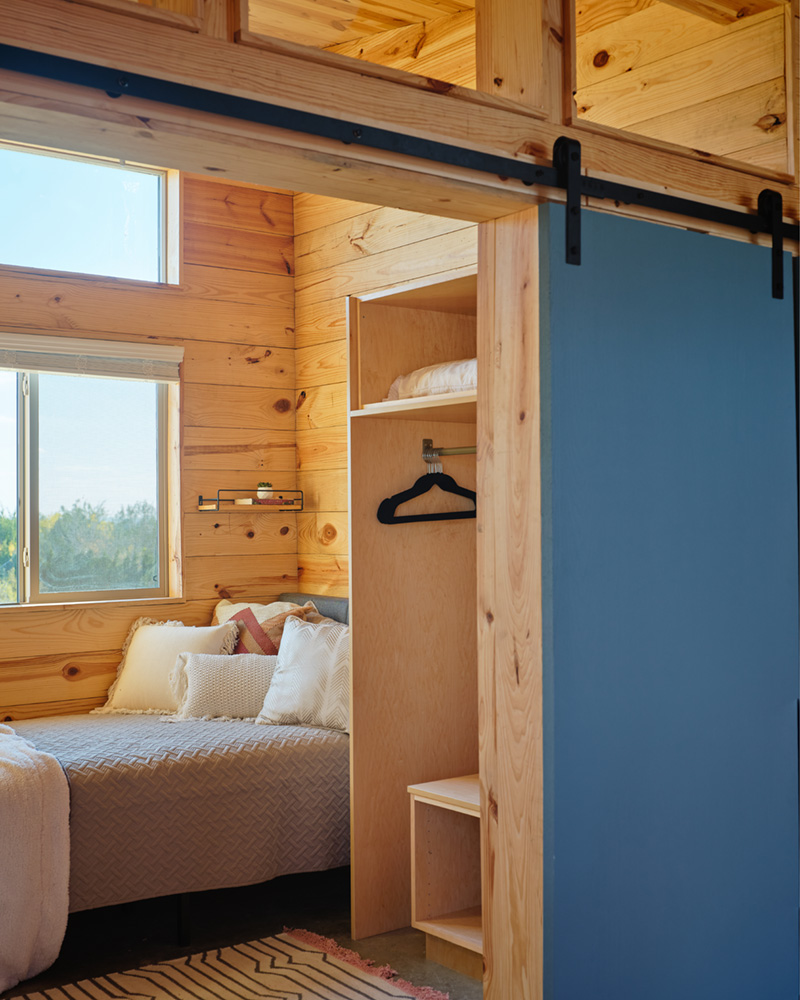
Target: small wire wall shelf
{"points": [[279, 501]]}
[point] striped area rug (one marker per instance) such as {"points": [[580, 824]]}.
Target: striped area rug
{"points": [[295, 965]]}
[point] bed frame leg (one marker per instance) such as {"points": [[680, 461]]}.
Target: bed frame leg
{"points": [[184, 920]]}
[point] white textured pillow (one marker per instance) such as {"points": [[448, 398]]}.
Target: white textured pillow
{"points": [[221, 687], [311, 684], [450, 376], [148, 657]]}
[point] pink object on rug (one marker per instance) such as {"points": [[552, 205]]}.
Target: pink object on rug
{"points": [[330, 947]]}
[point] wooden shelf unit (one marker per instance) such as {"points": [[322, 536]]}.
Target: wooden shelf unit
{"points": [[445, 861], [413, 592]]}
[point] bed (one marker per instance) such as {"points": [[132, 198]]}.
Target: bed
{"points": [[158, 809]]}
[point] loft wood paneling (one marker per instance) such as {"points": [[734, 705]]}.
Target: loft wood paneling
{"points": [[233, 314], [725, 11], [325, 22], [716, 85], [344, 249], [442, 48]]}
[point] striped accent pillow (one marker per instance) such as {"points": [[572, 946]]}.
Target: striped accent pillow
{"points": [[261, 625]]}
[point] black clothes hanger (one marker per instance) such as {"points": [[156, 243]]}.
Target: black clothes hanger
{"points": [[387, 507]]}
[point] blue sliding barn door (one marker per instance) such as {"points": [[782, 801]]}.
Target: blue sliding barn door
{"points": [[671, 618]]}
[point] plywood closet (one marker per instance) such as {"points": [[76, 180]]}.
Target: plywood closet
{"points": [[413, 586]]}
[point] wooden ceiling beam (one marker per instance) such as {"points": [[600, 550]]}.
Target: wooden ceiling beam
{"points": [[726, 11], [36, 110]]}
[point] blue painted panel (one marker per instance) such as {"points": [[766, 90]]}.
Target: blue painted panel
{"points": [[671, 619]]}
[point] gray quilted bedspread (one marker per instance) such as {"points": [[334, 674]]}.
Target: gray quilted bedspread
{"points": [[160, 808]]}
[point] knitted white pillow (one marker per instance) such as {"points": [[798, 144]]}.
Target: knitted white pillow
{"points": [[148, 656], [311, 684], [221, 687]]}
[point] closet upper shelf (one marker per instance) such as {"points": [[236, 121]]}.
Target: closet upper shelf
{"points": [[455, 407], [402, 330]]}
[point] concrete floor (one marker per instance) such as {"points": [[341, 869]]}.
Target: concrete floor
{"points": [[135, 934]]}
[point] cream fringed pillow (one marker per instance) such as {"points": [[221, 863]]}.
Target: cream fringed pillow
{"points": [[311, 684], [148, 657], [221, 687]]}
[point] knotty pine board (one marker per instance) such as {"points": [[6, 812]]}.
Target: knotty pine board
{"points": [[325, 22], [239, 532], [442, 48], [321, 406], [236, 406], [668, 74], [121, 311]]}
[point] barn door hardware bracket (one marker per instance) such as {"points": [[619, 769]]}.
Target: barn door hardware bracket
{"points": [[121, 84], [567, 162], [770, 209]]}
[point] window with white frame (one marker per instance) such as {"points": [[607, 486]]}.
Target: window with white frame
{"points": [[83, 453], [68, 212]]}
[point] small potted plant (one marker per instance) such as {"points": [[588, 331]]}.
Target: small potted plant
{"points": [[265, 491]]}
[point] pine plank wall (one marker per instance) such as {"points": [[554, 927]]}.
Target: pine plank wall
{"points": [[345, 248], [233, 313], [247, 380]]}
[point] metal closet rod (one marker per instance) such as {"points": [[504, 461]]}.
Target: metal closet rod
{"points": [[431, 454], [565, 173]]}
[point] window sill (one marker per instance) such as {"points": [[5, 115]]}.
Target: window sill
{"points": [[131, 602]]}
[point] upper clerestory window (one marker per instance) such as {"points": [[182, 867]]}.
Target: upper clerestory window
{"points": [[64, 212]]}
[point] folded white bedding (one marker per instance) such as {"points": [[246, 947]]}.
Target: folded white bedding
{"points": [[34, 858], [450, 376]]}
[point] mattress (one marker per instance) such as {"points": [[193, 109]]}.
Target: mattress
{"points": [[159, 808]]}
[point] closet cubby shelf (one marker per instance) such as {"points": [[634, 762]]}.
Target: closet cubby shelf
{"points": [[445, 861], [455, 407]]}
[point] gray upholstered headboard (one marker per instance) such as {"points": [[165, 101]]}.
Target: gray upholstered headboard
{"points": [[337, 608]]}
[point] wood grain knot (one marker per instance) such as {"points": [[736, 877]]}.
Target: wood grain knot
{"points": [[529, 148], [557, 35], [301, 399], [493, 807], [255, 361], [498, 81], [439, 86], [284, 530], [769, 123], [601, 58], [251, 534], [70, 671], [282, 405], [222, 592], [328, 534], [489, 617]]}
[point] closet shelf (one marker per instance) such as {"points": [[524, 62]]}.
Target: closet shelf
{"points": [[464, 928], [455, 407]]}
